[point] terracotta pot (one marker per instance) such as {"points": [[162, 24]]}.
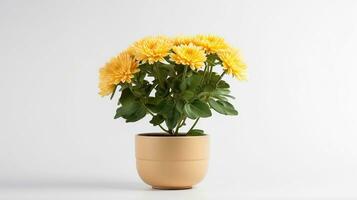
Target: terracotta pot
{"points": [[171, 162]]}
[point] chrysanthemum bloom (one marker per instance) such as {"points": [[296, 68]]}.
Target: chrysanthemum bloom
{"points": [[120, 69], [151, 49], [183, 40], [210, 43], [190, 55], [233, 63]]}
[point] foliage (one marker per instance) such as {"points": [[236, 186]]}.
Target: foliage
{"points": [[173, 92]]}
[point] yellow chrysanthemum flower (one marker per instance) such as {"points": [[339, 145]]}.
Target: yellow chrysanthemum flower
{"points": [[151, 49], [120, 69], [190, 55], [233, 63], [210, 43], [183, 40]]}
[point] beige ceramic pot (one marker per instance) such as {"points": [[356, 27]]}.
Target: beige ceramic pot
{"points": [[171, 162]]}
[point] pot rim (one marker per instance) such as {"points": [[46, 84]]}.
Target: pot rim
{"points": [[165, 135]]}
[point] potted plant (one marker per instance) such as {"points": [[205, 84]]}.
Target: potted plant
{"points": [[176, 81]]}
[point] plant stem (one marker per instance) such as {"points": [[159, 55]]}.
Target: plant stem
{"points": [[204, 73], [184, 120], [220, 77], [152, 114], [180, 124], [162, 128], [115, 88], [210, 73], [184, 74], [156, 73], [194, 124], [153, 86]]}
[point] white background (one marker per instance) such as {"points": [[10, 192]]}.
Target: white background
{"points": [[295, 136]]}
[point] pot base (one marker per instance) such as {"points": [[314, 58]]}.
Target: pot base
{"points": [[171, 188]]}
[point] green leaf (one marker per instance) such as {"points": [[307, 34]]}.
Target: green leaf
{"points": [[194, 81], [140, 76], [126, 97], [162, 90], [157, 119], [179, 105], [217, 106], [189, 112], [131, 108], [172, 119], [126, 110], [197, 109], [217, 82], [221, 94], [153, 104], [213, 78], [229, 108], [132, 111], [147, 68], [222, 98], [179, 68], [187, 95], [222, 84], [201, 108], [148, 88], [221, 91], [167, 69], [139, 114], [223, 107], [183, 85], [208, 88], [165, 107], [160, 71], [139, 91], [195, 132], [175, 84], [229, 96]]}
